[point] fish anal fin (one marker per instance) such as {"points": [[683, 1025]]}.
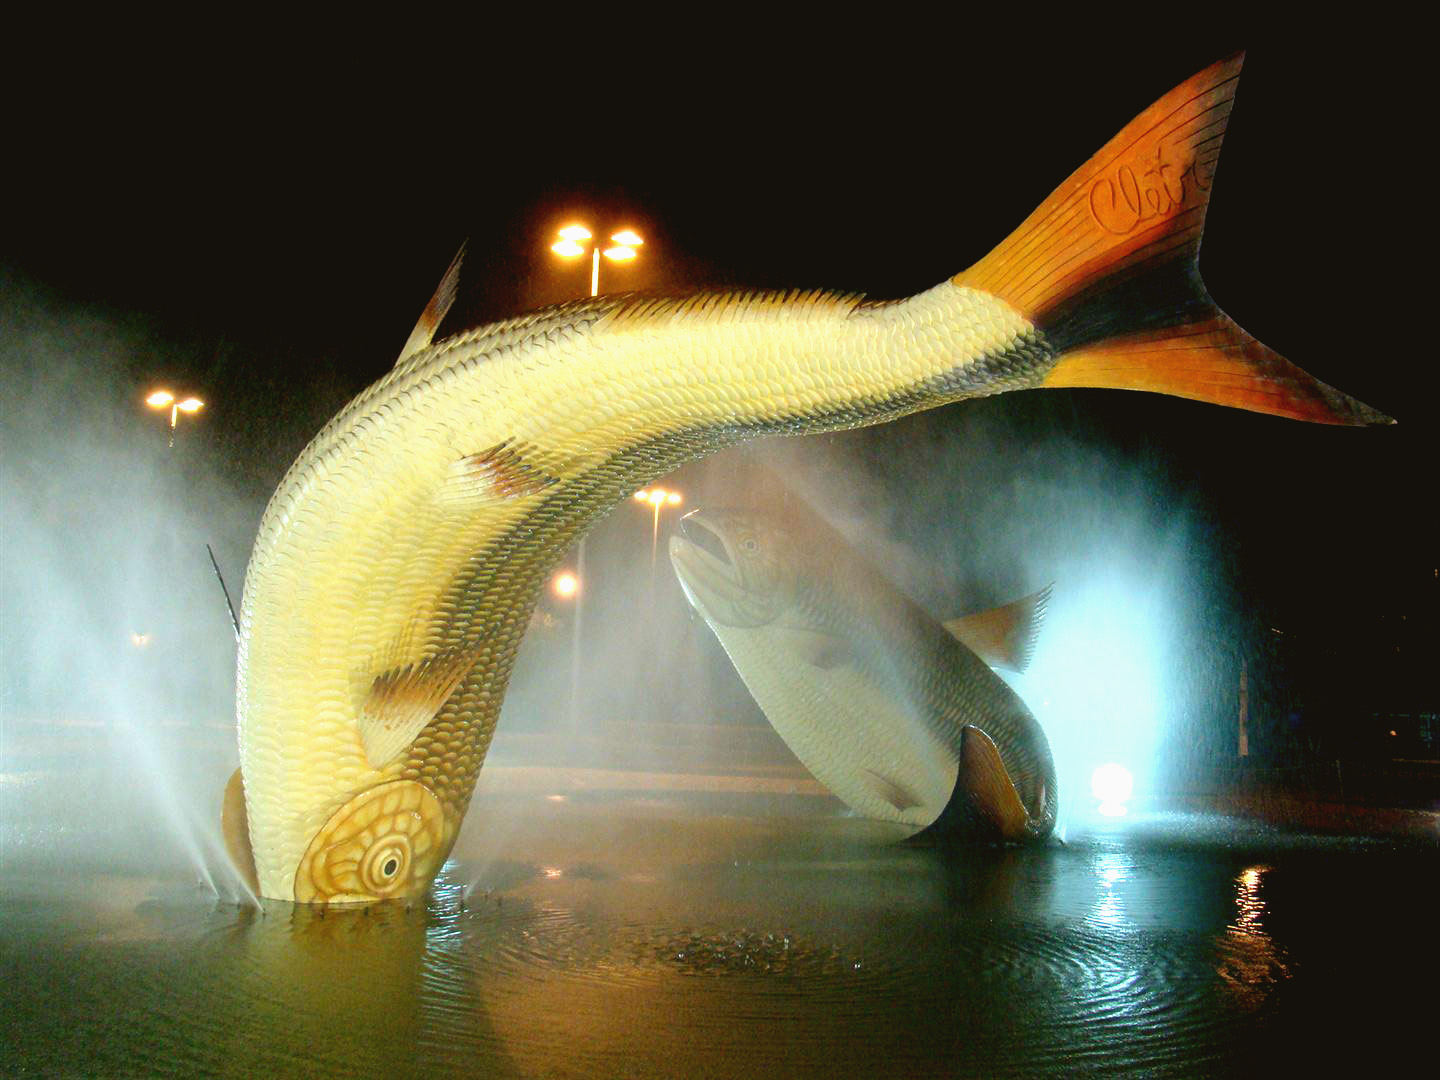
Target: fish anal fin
{"points": [[435, 311], [898, 796], [507, 470], [818, 649], [1004, 636], [235, 828], [404, 699], [987, 786]]}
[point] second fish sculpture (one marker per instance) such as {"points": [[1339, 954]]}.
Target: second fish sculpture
{"points": [[893, 711]]}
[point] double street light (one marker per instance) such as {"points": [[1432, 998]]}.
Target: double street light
{"points": [[575, 240], [162, 399]]}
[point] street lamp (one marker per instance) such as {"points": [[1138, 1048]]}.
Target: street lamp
{"points": [[573, 242], [161, 399], [565, 584], [657, 498]]}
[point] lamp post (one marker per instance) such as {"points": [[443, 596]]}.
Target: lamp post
{"points": [[572, 244], [574, 240], [569, 585], [161, 399], [657, 498]]}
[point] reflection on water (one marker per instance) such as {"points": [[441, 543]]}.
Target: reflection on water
{"points": [[1249, 960], [1112, 868], [659, 937]]}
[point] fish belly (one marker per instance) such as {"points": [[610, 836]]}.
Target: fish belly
{"points": [[873, 750]]}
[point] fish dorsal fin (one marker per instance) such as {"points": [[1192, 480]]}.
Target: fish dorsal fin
{"points": [[435, 311], [897, 795], [404, 699], [235, 828], [817, 648], [988, 787], [1004, 636]]}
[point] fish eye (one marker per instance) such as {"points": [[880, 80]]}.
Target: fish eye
{"points": [[749, 545], [386, 862], [381, 843]]}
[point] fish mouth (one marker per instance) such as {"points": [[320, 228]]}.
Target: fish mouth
{"points": [[703, 536], [703, 564]]}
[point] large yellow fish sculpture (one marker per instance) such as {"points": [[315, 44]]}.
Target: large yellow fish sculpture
{"points": [[400, 559]]}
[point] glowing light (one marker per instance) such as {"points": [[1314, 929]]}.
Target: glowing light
{"points": [[1113, 785], [575, 240], [161, 399], [566, 584], [1249, 907], [1097, 679], [139, 640], [555, 798], [553, 872], [1112, 870], [656, 498]]}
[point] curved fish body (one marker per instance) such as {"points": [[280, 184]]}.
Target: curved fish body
{"points": [[887, 707], [399, 561]]}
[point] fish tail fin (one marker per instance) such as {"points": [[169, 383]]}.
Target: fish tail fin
{"points": [[1106, 268]]}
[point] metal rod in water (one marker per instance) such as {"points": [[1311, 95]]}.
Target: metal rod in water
{"points": [[221, 578]]}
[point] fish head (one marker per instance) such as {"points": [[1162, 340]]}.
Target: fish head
{"points": [[386, 843], [737, 568]]}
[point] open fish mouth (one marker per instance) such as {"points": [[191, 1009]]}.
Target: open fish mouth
{"points": [[707, 572], [699, 533]]}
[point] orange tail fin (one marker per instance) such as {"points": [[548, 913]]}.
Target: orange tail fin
{"points": [[1106, 269]]}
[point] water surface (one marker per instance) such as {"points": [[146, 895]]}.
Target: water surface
{"points": [[716, 933]]}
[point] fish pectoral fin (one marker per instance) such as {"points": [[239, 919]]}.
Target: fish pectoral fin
{"points": [[898, 796], [435, 311], [987, 785], [1004, 636], [817, 648], [235, 828], [507, 470], [403, 700]]}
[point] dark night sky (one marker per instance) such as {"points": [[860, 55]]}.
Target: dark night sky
{"points": [[277, 222]]}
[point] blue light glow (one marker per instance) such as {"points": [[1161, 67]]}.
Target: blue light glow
{"points": [[1097, 680], [1112, 785]]}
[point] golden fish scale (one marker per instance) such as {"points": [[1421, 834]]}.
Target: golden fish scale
{"points": [[360, 566]]}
